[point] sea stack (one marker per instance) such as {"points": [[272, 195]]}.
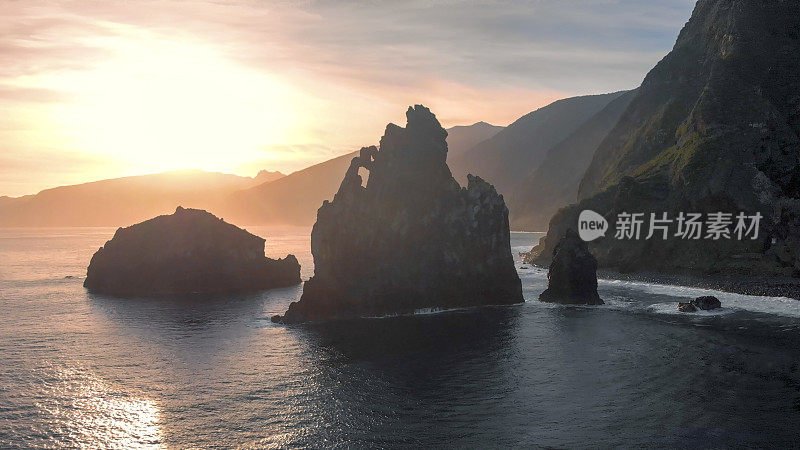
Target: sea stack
{"points": [[190, 251], [572, 278], [412, 238]]}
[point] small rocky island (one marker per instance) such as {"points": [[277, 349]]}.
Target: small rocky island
{"points": [[572, 278], [190, 251], [412, 238]]}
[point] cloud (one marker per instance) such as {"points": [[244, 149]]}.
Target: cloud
{"points": [[27, 94], [564, 45], [355, 64], [555, 45], [37, 39]]}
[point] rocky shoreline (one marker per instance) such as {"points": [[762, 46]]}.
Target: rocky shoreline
{"points": [[769, 286], [713, 131], [737, 284]]}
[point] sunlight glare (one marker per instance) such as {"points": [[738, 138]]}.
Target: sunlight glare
{"points": [[163, 105], [98, 416]]}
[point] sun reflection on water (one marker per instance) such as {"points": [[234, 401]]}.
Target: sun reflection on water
{"points": [[89, 413]]}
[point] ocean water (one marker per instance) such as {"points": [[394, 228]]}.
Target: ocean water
{"points": [[81, 370]]}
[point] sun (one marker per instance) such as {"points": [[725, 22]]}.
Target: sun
{"points": [[162, 104]]}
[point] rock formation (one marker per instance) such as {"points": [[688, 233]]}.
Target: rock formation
{"points": [[715, 127], [572, 278], [706, 303], [411, 238], [190, 251], [295, 198]]}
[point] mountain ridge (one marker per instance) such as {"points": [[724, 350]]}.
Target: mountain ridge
{"points": [[554, 184], [715, 127], [119, 201], [294, 199], [275, 199], [511, 154]]}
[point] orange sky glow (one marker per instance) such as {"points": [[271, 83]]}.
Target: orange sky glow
{"points": [[92, 90]]}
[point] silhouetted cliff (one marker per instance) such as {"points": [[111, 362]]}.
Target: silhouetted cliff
{"points": [[190, 251], [412, 238], [715, 127]]}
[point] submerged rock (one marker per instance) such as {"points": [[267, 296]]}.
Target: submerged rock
{"points": [[412, 238], [706, 302], [190, 251], [572, 278]]}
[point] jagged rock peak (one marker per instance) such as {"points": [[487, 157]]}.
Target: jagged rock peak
{"points": [[422, 120], [411, 238], [421, 145]]}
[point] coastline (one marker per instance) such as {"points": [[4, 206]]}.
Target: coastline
{"points": [[737, 284], [768, 286], [765, 285]]}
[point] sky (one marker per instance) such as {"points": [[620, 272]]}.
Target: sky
{"points": [[95, 89]]}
